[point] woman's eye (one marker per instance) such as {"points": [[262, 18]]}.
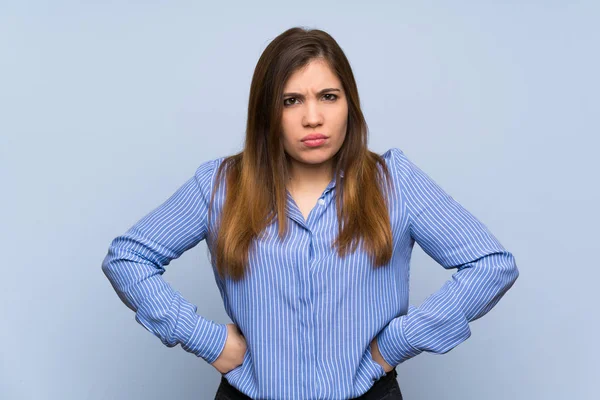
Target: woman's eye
{"points": [[289, 98], [292, 100]]}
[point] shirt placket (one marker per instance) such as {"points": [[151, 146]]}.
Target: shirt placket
{"points": [[309, 348]]}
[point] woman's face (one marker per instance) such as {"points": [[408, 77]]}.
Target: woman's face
{"points": [[314, 103]]}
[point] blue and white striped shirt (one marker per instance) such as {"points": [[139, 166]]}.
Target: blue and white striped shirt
{"points": [[309, 316]]}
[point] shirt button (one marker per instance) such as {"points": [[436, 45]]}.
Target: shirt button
{"points": [[321, 201]]}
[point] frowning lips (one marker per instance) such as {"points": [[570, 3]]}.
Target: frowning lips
{"points": [[314, 136]]}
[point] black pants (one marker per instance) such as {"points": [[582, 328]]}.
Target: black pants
{"points": [[386, 388]]}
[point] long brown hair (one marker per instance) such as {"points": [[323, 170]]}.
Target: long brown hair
{"points": [[256, 177]]}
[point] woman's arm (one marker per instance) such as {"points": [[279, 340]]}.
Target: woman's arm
{"points": [[135, 264], [454, 238]]}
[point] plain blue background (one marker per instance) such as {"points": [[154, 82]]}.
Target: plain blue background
{"points": [[108, 107]]}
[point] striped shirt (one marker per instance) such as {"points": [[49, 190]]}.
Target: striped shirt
{"points": [[309, 316]]}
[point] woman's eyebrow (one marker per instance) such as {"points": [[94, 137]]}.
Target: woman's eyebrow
{"points": [[323, 91]]}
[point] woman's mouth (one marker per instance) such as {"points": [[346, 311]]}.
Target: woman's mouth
{"points": [[314, 142], [314, 139]]}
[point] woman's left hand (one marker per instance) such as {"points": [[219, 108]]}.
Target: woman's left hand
{"points": [[378, 358]]}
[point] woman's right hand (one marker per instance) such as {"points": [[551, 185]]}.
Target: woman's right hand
{"points": [[233, 353]]}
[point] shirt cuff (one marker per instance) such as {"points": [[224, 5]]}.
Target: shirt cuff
{"points": [[200, 336], [393, 343]]}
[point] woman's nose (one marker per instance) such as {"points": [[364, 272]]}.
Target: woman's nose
{"points": [[314, 115]]}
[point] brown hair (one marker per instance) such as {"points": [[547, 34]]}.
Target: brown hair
{"points": [[250, 207]]}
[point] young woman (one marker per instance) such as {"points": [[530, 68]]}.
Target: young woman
{"points": [[310, 236]]}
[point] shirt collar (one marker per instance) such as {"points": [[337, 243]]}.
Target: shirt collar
{"points": [[334, 181]]}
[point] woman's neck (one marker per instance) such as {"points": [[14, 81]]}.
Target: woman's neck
{"points": [[309, 177]]}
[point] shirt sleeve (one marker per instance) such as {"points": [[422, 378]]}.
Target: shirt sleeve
{"points": [[455, 239], [136, 259]]}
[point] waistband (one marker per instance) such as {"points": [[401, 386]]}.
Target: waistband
{"points": [[379, 388]]}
